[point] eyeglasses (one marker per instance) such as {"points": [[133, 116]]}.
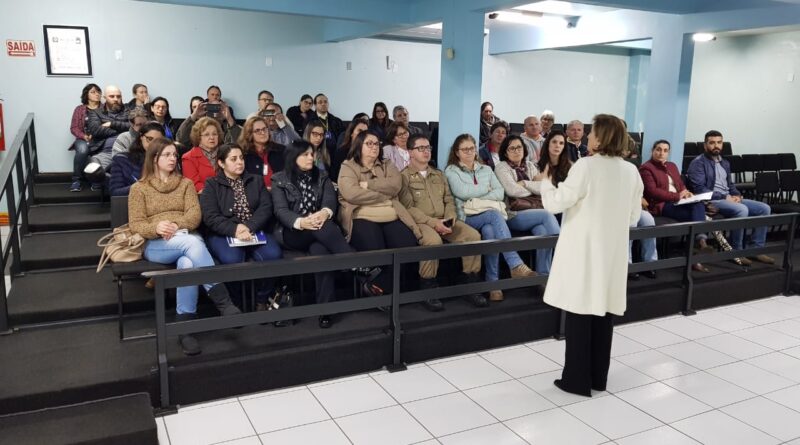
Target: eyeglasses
{"points": [[264, 99], [549, 119], [209, 135], [516, 148], [402, 135], [260, 130], [149, 139], [423, 148], [169, 155], [467, 149], [372, 144], [317, 134]]}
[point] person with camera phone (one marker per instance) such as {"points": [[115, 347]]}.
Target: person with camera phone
{"points": [[215, 109], [280, 129], [427, 197]]}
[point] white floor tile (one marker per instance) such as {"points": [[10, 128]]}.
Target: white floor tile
{"points": [[794, 442], [612, 417], [686, 327], [768, 337], [788, 327], [555, 426], [208, 425], [709, 389], [650, 335], [387, 426], [663, 402], [430, 442], [352, 396], [751, 378], [717, 428], [273, 392], [697, 355], [779, 363], [778, 308], [664, 435], [768, 416], [621, 377], [751, 314], [543, 384], [656, 364], [414, 384], [794, 352], [163, 437], [734, 346], [622, 345], [338, 380], [554, 350], [497, 434], [207, 404], [521, 362], [722, 321], [327, 433], [789, 397], [283, 410], [451, 358], [448, 414], [470, 372], [507, 400], [252, 440]]}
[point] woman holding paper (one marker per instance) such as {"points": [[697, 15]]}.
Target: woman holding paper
{"points": [[663, 188], [236, 205]]}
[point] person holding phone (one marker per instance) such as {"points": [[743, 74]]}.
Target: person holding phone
{"points": [[427, 197], [213, 108]]}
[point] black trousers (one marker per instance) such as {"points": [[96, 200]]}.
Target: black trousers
{"points": [[325, 241], [368, 235], [588, 352]]}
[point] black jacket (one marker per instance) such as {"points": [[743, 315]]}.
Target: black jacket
{"points": [[96, 119], [286, 197], [255, 165], [216, 203], [298, 120]]}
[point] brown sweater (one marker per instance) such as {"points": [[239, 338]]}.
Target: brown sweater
{"points": [[153, 201]]}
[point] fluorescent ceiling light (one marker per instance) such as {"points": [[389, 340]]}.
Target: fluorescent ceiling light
{"points": [[703, 37], [563, 8], [528, 18], [439, 27]]}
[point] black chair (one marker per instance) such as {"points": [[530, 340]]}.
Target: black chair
{"points": [[516, 128], [727, 149], [788, 161], [559, 127], [771, 162], [752, 163], [690, 149], [767, 187], [686, 161], [790, 193], [426, 130], [587, 128]]}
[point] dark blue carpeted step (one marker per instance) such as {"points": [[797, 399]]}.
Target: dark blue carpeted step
{"points": [[80, 294], [58, 193], [57, 217], [58, 250], [120, 420]]}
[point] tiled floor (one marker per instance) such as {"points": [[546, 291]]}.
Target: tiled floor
{"points": [[728, 375]]}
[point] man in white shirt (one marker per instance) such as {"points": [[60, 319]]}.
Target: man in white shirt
{"points": [[532, 137]]}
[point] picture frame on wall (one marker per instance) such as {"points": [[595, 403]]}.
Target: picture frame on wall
{"points": [[67, 50]]}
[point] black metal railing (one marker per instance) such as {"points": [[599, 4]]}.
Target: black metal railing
{"points": [[20, 166], [395, 258]]}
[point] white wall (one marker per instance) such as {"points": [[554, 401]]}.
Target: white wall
{"points": [[575, 85], [740, 87], [179, 51]]}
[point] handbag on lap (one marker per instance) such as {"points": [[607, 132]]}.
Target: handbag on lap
{"points": [[476, 206], [120, 246], [525, 203]]}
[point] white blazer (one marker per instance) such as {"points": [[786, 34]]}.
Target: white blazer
{"points": [[600, 201]]}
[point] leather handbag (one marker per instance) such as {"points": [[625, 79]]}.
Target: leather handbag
{"points": [[476, 206], [120, 246], [525, 203]]}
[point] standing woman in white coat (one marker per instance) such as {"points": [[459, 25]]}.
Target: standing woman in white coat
{"points": [[600, 201]]}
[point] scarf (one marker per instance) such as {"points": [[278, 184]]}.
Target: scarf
{"points": [[240, 207], [522, 174], [308, 202]]}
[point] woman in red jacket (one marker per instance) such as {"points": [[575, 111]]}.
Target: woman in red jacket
{"points": [[663, 188], [198, 163]]}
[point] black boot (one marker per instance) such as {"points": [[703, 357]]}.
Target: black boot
{"points": [[477, 299], [189, 344], [219, 295], [433, 304]]}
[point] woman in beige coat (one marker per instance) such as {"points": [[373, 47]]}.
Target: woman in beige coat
{"points": [[600, 200], [370, 211]]}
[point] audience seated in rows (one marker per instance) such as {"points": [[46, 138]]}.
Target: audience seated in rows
{"points": [[489, 151], [400, 114], [126, 167], [332, 125], [158, 109], [198, 163], [229, 131], [141, 97], [547, 119], [315, 135], [379, 122], [299, 115], [488, 119], [264, 99], [359, 123], [104, 124], [122, 144], [396, 148], [90, 101], [533, 138], [262, 156], [279, 127], [305, 205]]}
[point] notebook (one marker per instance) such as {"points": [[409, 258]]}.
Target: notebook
{"points": [[258, 238]]}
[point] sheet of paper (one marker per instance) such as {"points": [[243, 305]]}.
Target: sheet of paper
{"points": [[695, 198]]}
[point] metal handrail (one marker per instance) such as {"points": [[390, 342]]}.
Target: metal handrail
{"points": [[20, 162], [397, 257]]}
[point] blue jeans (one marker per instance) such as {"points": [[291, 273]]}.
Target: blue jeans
{"points": [[188, 251], [218, 245], [492, 226], [649, 252], [747, 207], [81, 159], [540, 223]]}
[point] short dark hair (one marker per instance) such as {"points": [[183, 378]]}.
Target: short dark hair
{"points": [[136, 86], [212, 87], [85, 93], [503, 152], [136, 152], [392, 131], [223, 152], [498, 124], [276, 104], [265, 92], [711, 134], [485, 104], [194, 98], [660, 141], [358, 143], [306, 96], [318, 96], [292, 152], [414, 138]]}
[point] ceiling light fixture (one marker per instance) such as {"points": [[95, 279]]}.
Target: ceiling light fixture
{"points": [[703, 37]]}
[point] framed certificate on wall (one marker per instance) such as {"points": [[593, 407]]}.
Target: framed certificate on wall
{"points": [[67, 51]]}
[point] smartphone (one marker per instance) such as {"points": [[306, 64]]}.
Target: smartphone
{"points": [[267, 113], [448, 222], [212, 109]]}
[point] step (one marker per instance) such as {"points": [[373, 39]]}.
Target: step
{"points": [[58, 193], [49, 178], [123, 420], [80, 294], [57, 217], [61, 249]]}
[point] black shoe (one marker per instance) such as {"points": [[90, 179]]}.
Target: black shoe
{"points": [[560, 384], [650, 274], [477, 300], [189, 345], [283, 323], [325, 321], [222, 300], [633, 277], [433, 305]]}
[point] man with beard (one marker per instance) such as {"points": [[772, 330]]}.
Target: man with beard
{"points": [[710, 172], [105, 124]]}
